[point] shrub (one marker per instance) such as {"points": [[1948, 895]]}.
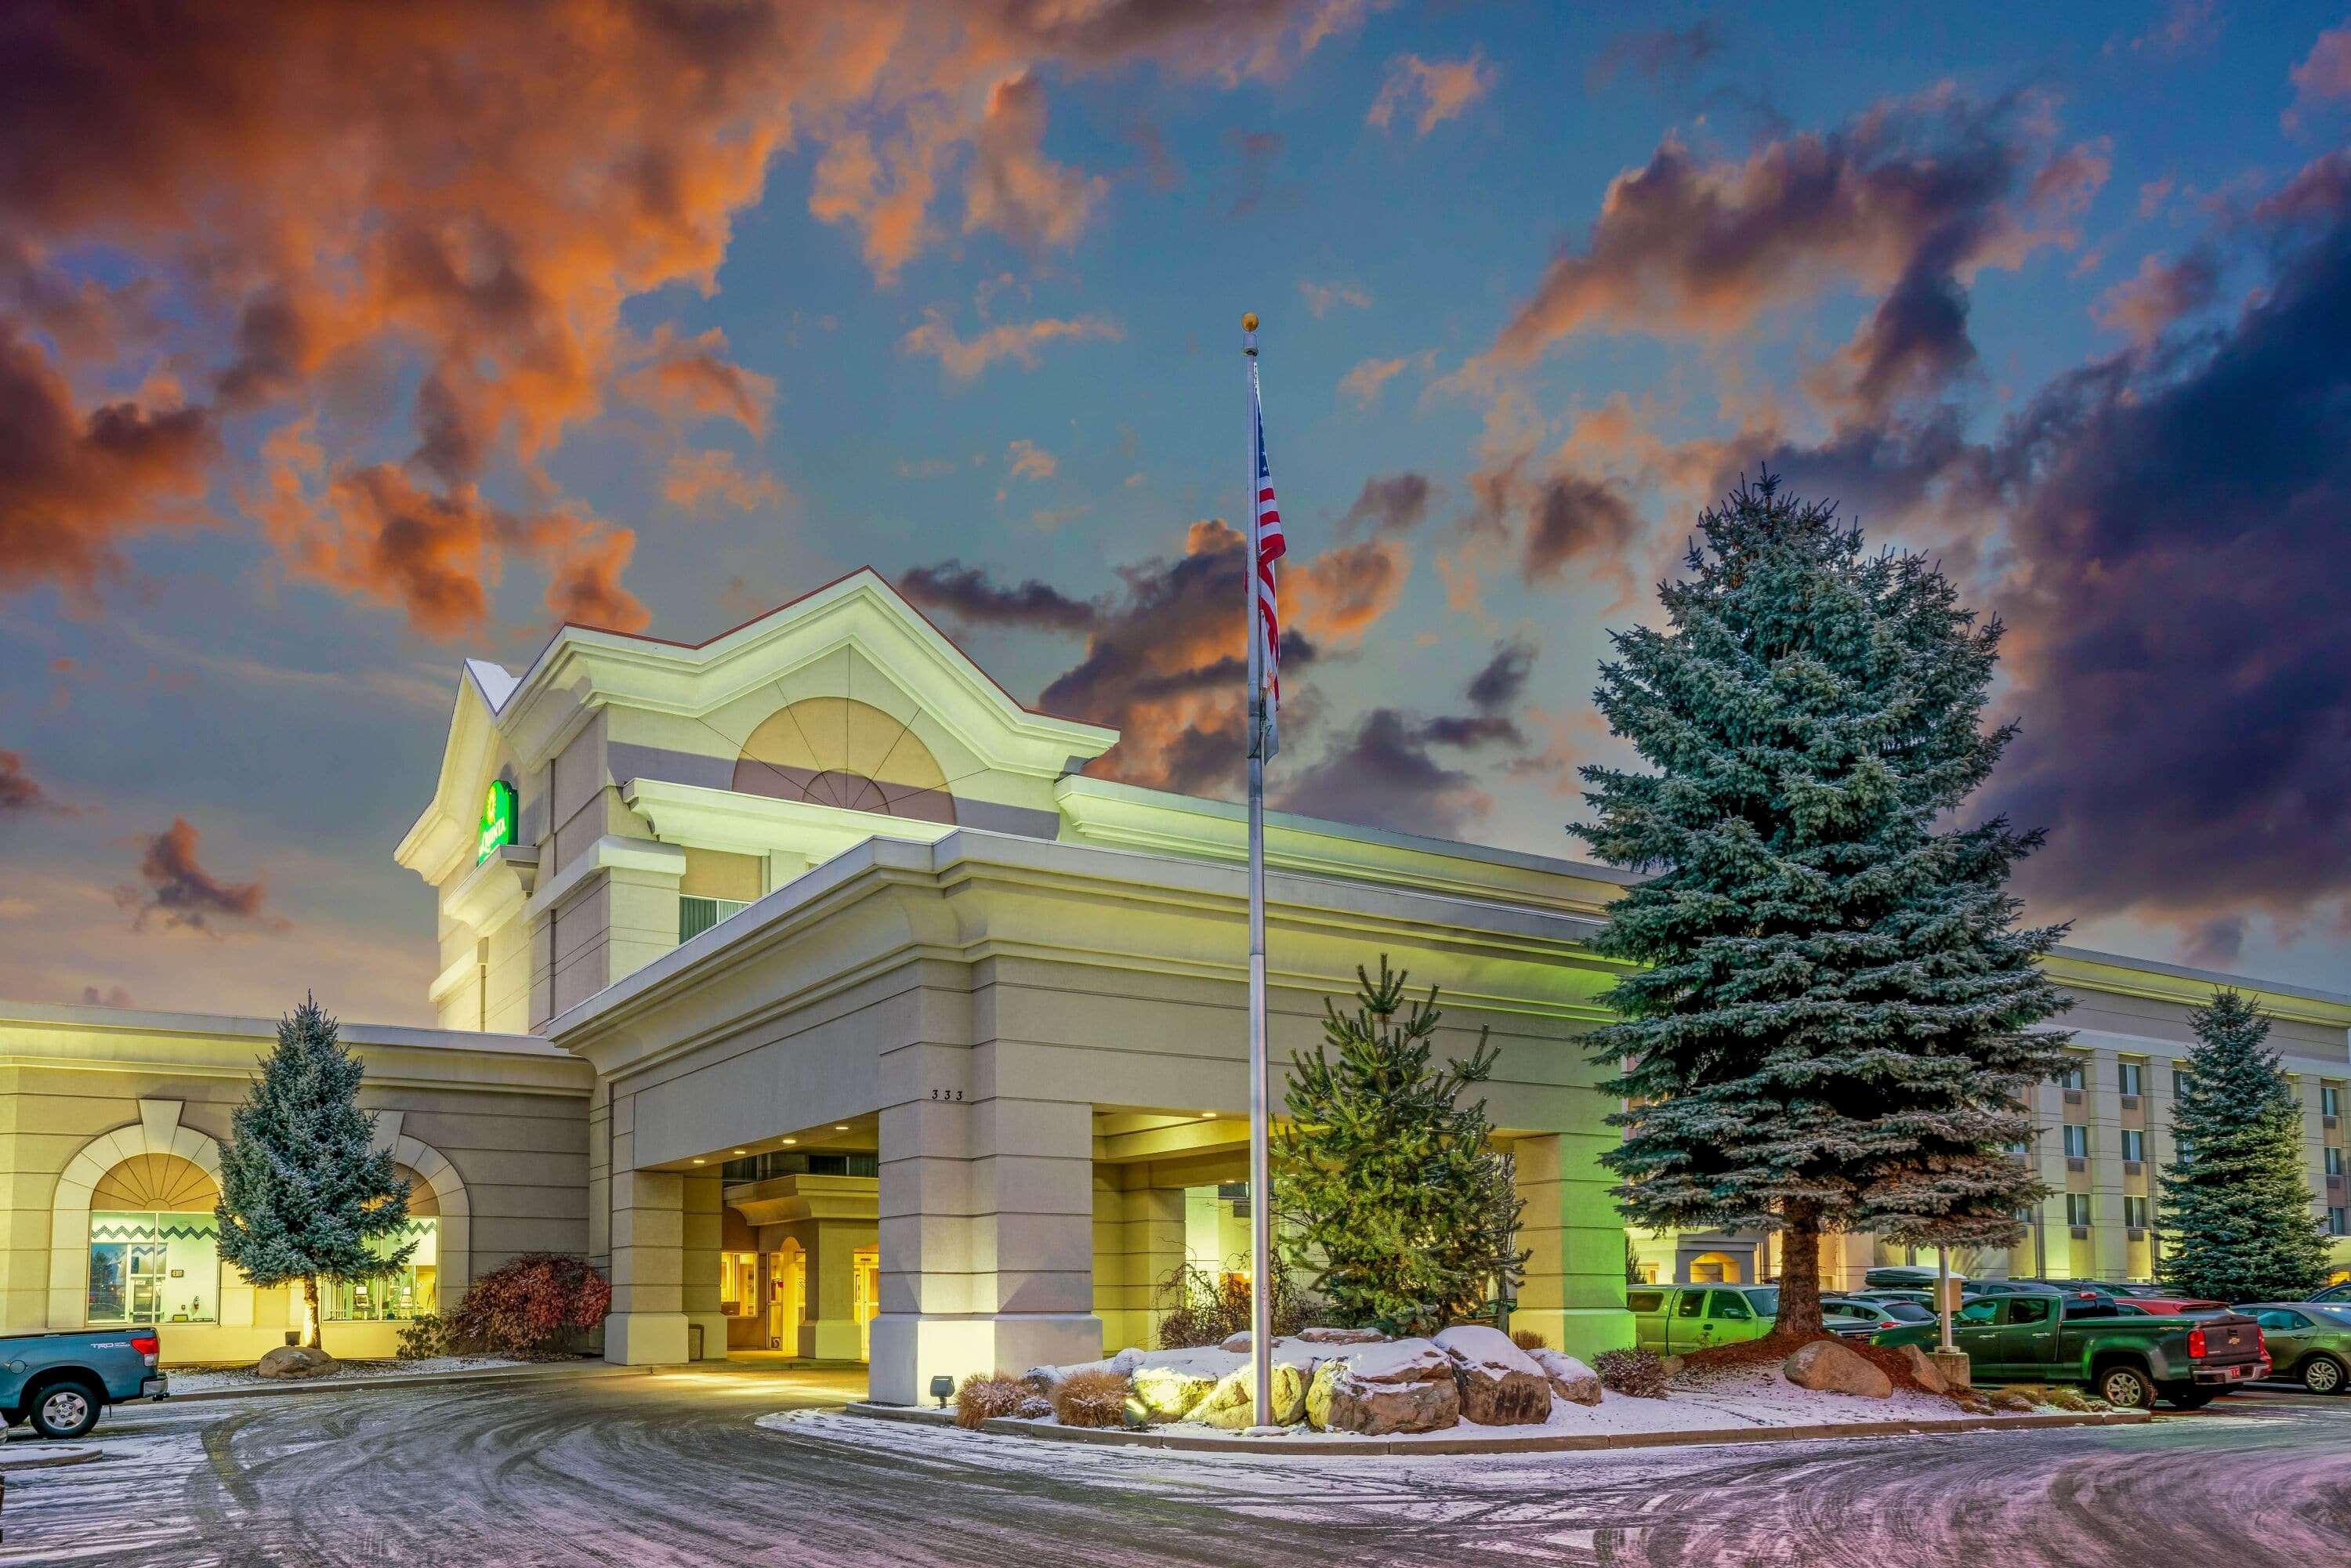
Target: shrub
{"points": [[423, 1338], [1198, 1307], [1526, 1339], [533, 1307], [985, 1396], [1637, 1373], [1096, 1397]]}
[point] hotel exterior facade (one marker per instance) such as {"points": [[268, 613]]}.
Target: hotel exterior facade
{"points": [[804, 980]]}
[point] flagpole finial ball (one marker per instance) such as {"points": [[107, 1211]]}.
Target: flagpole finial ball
{"points": [[1249, 322]]}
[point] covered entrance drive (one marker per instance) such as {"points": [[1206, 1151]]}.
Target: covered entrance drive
{"points": [[1038, 1046]]}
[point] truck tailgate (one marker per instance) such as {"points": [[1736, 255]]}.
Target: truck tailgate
{"points": [[2230, 1338]]}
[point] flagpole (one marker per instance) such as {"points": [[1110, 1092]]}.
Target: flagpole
{"points": [[1260, 1111]]}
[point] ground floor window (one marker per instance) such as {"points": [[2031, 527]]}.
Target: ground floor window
{"points": [[153, 1267], [411, 1291], [738, 1284]]}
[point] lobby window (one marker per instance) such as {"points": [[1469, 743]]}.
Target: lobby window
{"points": [[2077, 1209], [153, 1267], [411, 1291], [2078, 1141], [2134, 1143], [2131, 1078], [2135, 1211], [697, 915]]}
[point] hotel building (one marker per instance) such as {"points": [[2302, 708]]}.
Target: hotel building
{"points": [[805, 981]]}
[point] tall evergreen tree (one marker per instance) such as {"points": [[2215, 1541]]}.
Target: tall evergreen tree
{"points": [[1392, 1186], [2236, 1219], [1831, 1026], [302, 1193]]}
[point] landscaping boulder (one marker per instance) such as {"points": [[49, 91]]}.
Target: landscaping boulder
{"points": [[1569, 1379], [1232, 1403], [1169, 1393], [1325, 1335], [1833, 1368], [1500, 1384], [1923, 1369], [1405, 1386], [294, 1361]]}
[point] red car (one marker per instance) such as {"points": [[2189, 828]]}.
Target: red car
{"points": [[2156, 1299]]}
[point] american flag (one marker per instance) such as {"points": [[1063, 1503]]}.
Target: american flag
{"points": [[1269, 550]]}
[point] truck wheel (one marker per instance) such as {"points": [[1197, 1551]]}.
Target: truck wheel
{"points": [[65, 1409], [2125, 1388], [2323, 1375]]}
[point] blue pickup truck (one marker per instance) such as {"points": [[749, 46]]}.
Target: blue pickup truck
{"points": [[60, 1382]]}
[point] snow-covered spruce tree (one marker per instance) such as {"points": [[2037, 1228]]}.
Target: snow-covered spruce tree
{"points": [[1397, 1202], [302, 1193], [1831, 1023], [2236, 1219]]}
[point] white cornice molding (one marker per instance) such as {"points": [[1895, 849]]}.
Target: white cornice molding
{"points": [[610, 853], [494, 892], [758, 824]]}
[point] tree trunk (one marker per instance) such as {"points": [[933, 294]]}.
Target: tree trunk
{"points": [[1800, 1274], [310, 1310]]}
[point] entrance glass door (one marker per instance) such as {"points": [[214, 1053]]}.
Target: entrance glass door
{"points": [[866, 1269], [788, 1273]]}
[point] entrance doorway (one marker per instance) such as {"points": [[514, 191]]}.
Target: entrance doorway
{"points": [[788, 1274], [865, 1301]]}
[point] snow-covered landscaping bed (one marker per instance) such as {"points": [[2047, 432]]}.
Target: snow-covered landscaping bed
{"points": [[1467, 1383], [212, 1379]]}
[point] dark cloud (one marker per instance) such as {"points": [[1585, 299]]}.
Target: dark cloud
{"points": [[1574, 517], [181, 893], [112, 996], [969, 594], [1659, 55], [1391, 503], [1382, 774], [1504, 677], [19, 790], [2181, 609]]}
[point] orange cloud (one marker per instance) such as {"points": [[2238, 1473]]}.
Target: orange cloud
{"points": [[1441, 88], [693, 480], [1014, 188], [964, 359]]}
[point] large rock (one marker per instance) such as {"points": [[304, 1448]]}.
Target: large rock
{"points": [[1923, 1369], [1406, 1386], [1500, 1384], [1569, 1379], [1232, 1403], [295, 1362], [1833, 1368], [1326, 1335], [1169, 1393]]}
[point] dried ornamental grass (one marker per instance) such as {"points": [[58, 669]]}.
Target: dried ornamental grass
{"points": [[1093, 1399], [1637, 1373], [1526, 1339], [985, 1396]]}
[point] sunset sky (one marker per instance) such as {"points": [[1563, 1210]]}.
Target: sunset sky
{"points": [[338, 344]]}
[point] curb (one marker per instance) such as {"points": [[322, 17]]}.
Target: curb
{"points": [[1012, 1427], [49, 1457], [413, 1380]]}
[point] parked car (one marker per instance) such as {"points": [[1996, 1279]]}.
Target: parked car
{"points": [[1858, 1317], [61, 1382], [1893, 1293], [1674, 1319], [2310, 1341], [2336, 1294], [2023, 1336], [2154, 1299]]}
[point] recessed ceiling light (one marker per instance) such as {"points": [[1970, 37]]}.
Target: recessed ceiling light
{"points": [[840, 1127], [787, 1140], [701, 1162], [742, 1151]]}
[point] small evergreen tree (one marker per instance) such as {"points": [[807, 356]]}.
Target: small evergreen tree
{"points": [[1397, 1193], [2236, 1219], [1830, 1024], [302, 1193]]}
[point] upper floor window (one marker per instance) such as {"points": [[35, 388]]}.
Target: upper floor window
{"points": [[2134, 1143], [2077, 1209], [2333, 1160], [2071, 1078], [2131, 1078], [2330, 1100], [2078, 1141]]}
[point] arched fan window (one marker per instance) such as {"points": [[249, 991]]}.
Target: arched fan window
{"points": [[835, 751], [155, 1246]]}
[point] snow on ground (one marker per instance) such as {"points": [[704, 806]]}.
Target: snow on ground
{"points": [[207, 1379]]}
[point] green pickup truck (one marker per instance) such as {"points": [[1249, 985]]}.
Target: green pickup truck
{"points": [[2128, 1362], [1674, 1319]]}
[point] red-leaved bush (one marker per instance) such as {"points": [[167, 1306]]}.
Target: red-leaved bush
{"points": [[533, 1307]]}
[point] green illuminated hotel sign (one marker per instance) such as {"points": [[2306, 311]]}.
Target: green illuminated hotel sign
{"points": [[498, 820]]}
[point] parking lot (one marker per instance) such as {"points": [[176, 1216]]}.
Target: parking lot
{"points": [[670, 1469]]}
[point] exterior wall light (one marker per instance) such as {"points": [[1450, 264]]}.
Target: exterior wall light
{"points": [[701, 1162], [787, 1140], [942, 1386]]}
